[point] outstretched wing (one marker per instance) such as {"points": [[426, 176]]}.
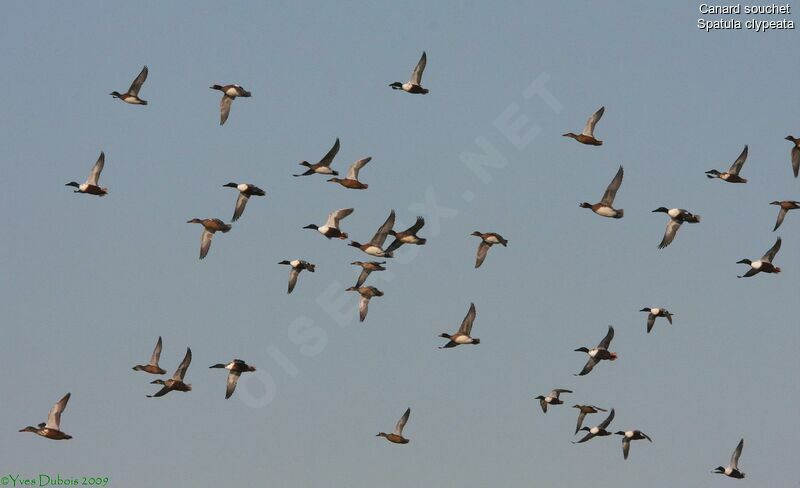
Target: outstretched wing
{"points": [[608, 420], [416, 75], [240, 204], [420, 222], [737, 165], [138, 82], [651, 319], [362, 277], [398, 428], [611, 191], [483, 249], [293, 272], [205, 242], [588, 129], [626, 446], [781, 216], [335, 217], [181, 371], [735, 456], [770, 255], [94, 175], [328, 158], [224, 108], [352, 172], [796, 160], [669, 234], [156, 353], [233, 377], [363, 308], [380, 236], [466, 324], [54, 417], [606, 342], [581, 416], [587, 368]]}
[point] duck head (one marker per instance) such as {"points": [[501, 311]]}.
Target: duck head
{"points": [[354, 244], [311, 226], [619, 432], [73, 183], [116, 94], [157, 382], [285, 262], [645, 309], [790, 138], [476, 233], [352, 288], [540, 397], [218, 365], [661, 209], [29, 428], [381, 434], [357, 263], [305, 163], [744, 261], [712, 173], [231, 185], [194, 221], [445, 335], [396, 85], [570, 134], [335, 180], [719, 470], [775, 203], [582, 349], [585, 205]]}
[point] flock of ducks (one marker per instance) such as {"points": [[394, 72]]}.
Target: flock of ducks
{"points": [[375, 247]]}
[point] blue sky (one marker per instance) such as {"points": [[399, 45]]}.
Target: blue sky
{"points": [[91, 283]]}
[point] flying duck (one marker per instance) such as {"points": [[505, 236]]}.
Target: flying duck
{"points": [[587, 136], [235, 369], [599, 430], [628, 436], [351, 181], [210, 227], [605, 207], [408, 236], [795, 154], [414, 85], [297, 265], [375, 246], [323, 167], [132, 95], [732, 470], [51, 429], [764, 264], [464, 331], [367, 268], [91, 186], [176, 382], [488, 239], [551, 398], [366, 293], [331, 227], [677, 216], [583, 410], [246, 190], [785, 205], [229, 93], [599, 353], [652, 313], [152, 367], [397, 436], [732, 175]]}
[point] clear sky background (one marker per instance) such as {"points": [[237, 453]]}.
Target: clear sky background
{"points": [[89, 284]]}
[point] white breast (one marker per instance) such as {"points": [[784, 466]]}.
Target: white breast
{"points": [[594, 430], [673, 212], [593, 352], [606, 212], [463, 339], [295, 263], [323, 229], [83, 187], [655, 311], [232, 91], [324, 170], [756, 264], [492, 240], [375, 251], [407, 86], [242, 187]]}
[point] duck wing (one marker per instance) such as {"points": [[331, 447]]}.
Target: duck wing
{"points": [[587, 368], [611, 191], [626, 446], [737, 165], [328, 158], [770, 255], [205, 242], [581, 416], [781, 215], [138, 82], [293, 272], [181, 371], [241, 202], [483, 249], [233, 378], [398, 428], [224, 108], [651, 320], [608, 420], [672, 229], [735, 456], [352, 172], [606, 342], [466, 324], [335, 217], [54, 417], [363, 308], [156, 353], [588, 129], [362, 277], [94, 175], [558, 391], [416, 75], [420, 222], [796, 160], [380, 237]]}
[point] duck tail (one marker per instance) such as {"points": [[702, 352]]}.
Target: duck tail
{"points": [[216, 87], [188, 387], [422, 242], [777, 269], [476, 341], [620, 214], [613, 356]]}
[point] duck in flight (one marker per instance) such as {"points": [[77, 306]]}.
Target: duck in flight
{"points": [[132, 95], [597, 431], [52, 428], [235, 369], [488, 239], [331, 227], [628, 436], [152, 367], [654, 312], [408, 236], [92, 183], [351, 180], [785, 206], [583, 410], [764, 264], [176, 382], [605, 207], [795, 154], [396, 437], [587, 136], [551, 398], [210, 227], [297, 265], [246, 190], [366, 292], [375, 246], [732, 470], [464, 331], [229, 94], [323, 167], [732, 175], [414, 85], [677, 216], [367, 267], [598, 353]]}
